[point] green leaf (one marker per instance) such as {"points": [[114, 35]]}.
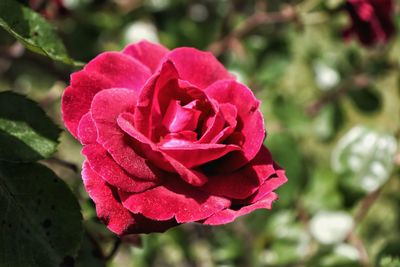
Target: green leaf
{"points": [[40, 217], [31, 29], [322, 191], [365, 157], [26, 133], [366, 100], [389, 256]]}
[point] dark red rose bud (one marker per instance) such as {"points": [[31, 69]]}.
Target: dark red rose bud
{"points": [[372, 21]]}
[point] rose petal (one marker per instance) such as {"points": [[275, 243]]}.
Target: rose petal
{"points": [[178, 118], [193, 155], [108, 70], [164, 87], [174, 199], [250, 122], [158, 157], [245, 181], [178, 139], [213, 124], [148, 53], [106, 107], [229, 215], [272, 183], [147, 108], [198, 67], [229, 113], [112, 213], [103, 164], [87, 132]]}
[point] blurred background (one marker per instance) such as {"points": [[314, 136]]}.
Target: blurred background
{"points": [[332, 112]]}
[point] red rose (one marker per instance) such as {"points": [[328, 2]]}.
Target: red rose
{"points": [[169, 137], [372, 20]]}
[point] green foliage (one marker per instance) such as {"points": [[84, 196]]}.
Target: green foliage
{"points": [[31, 29], [26, 133], [40, 218]]}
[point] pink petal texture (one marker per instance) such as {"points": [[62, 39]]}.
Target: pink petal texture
{"points": [[102, 163], [106, 107], [229, 215], [108, 70], [250, 122], [147, 111], [174, 199], [213, 125], [198, 67], [161, 159], [157, 95], [87, 132], [193, 155], [110, 210], [244, 182], [178, 118], [147, 53], [269, 185]]}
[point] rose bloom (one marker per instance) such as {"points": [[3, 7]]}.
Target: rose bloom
{"points": [[170, 137], [372, 21]]}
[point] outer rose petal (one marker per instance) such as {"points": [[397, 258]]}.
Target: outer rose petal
{"points": [[267, 187], [148, 53], [112, 213], [245, 181], [250, 122], [108, 70], [174, 199], [87, 132], [229, 215], [102, 163], [106, 107], [198, 67]]}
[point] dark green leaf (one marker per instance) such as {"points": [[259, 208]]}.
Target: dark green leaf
{"points": [[366, 100], [26, 133], [40, 218], [32, 30], [389, 256], [322, 191]]}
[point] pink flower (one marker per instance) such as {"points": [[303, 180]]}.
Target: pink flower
{"points": [[372, 20], [170, 137]]}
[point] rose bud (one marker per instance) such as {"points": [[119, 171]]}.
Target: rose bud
{"points": [[371, 21]]}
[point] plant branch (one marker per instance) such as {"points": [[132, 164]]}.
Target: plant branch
{"points": [[357, 80], [257, 19]]}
